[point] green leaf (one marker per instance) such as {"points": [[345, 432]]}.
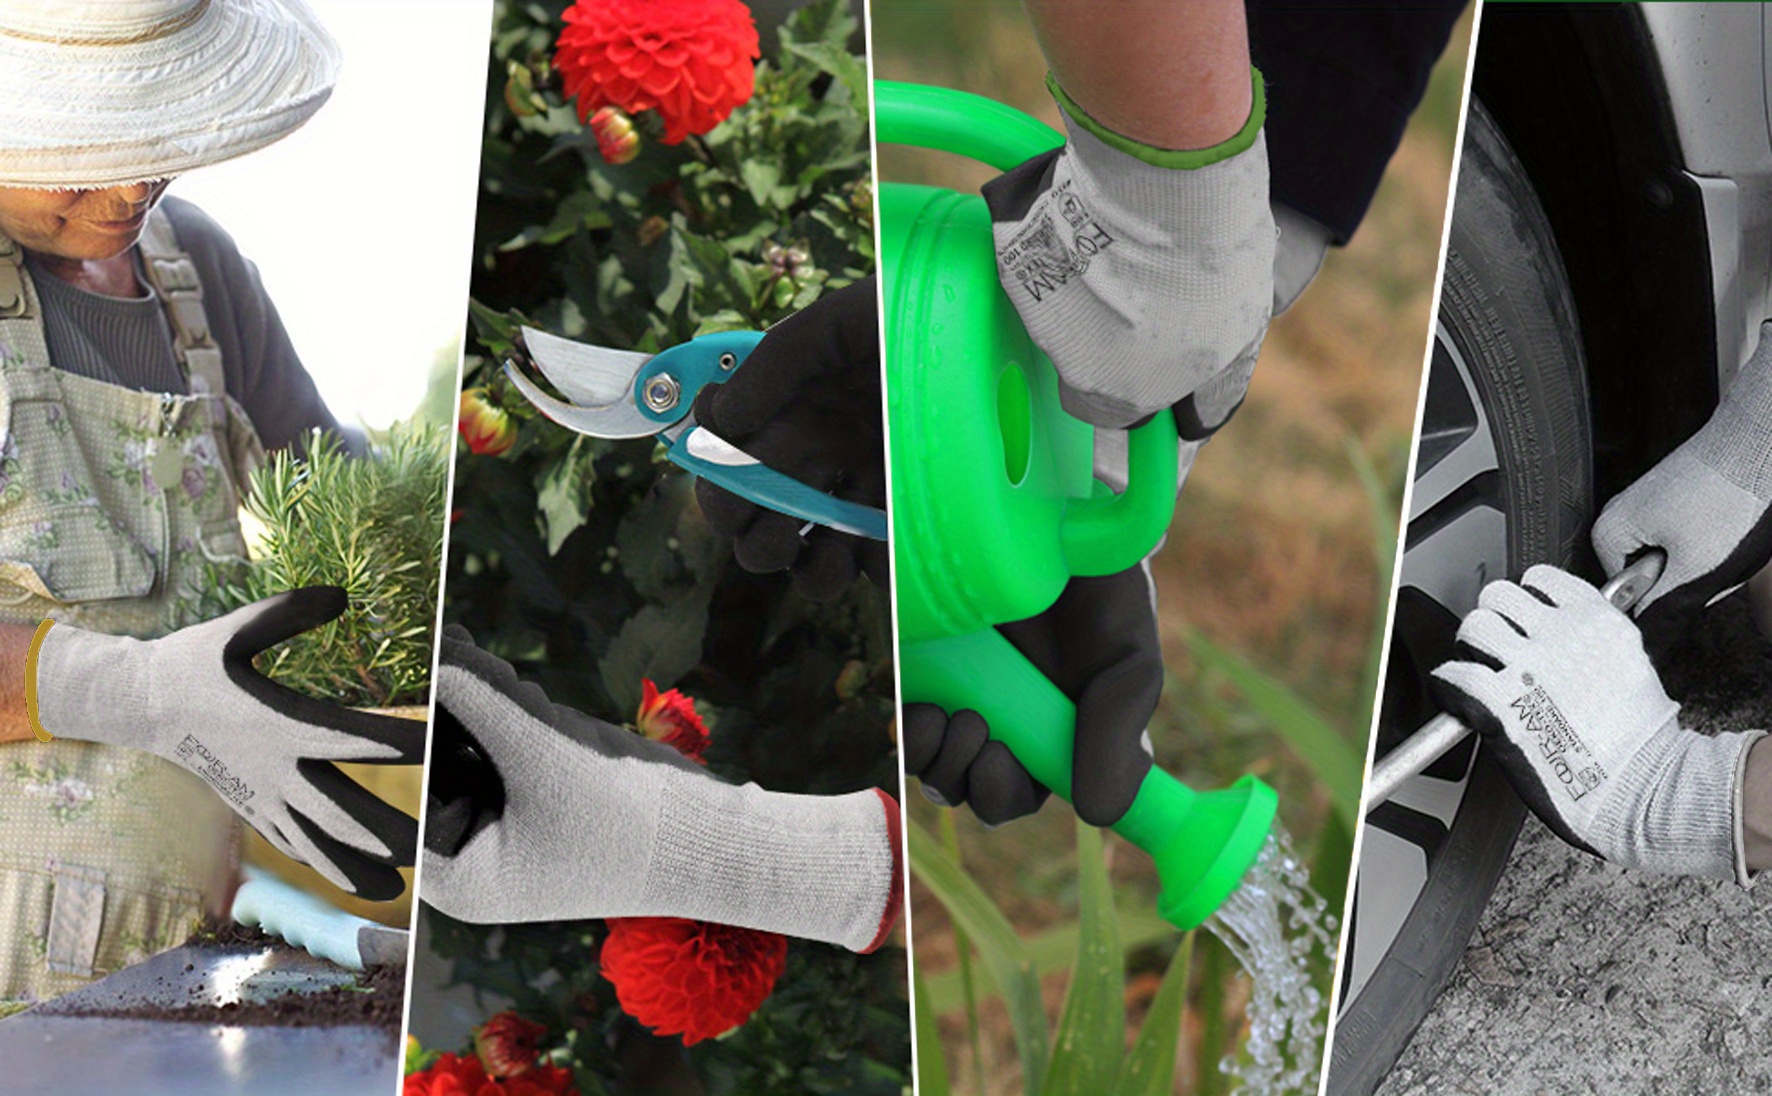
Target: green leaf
{"points": [[580, 209], [1092, 1029], [495, 329], [1296, 723], [659, 642], [932, 1069], [836, 59], [1150, 1069], [998, 947], [1054, 949], [563, 494]]}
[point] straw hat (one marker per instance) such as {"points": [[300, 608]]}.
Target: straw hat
{"points": [[97, 93]]}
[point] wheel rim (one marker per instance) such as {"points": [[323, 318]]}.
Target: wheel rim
{"points": [[1456, 542]]}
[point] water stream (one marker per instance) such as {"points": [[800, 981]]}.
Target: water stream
{"points": [[1279, 930]]}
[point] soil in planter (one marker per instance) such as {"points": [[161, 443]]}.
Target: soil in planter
{"points": [[374, 999]]}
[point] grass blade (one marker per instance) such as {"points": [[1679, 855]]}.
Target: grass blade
{"points": [[1092, 1029], [1054, 950], [1305, 732], [998, 948], [1150, 1069], [932, 1068], [950, 840]]}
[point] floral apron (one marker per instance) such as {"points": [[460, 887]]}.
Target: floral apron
{"points": [[117, 507]]}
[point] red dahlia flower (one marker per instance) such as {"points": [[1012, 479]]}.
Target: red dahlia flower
{"points": [[670, 718], [691, 60], [508, 1045], [483, 424], [690, 978], [450, 1075]]}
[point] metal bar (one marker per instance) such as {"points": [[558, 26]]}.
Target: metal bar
{"points": [[1414, 754]]}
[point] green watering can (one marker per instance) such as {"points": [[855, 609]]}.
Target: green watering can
{"points": [[994, 501]]}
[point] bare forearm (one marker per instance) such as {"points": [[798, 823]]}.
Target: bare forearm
{"points": [[1756, 806], [15, 643], [1167, 74]]}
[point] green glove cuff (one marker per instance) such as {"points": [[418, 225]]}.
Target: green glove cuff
{"points": [[1181, 159]]}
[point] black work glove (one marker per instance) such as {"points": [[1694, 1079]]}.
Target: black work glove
{"points": [[1098, 643], [806, 402]]}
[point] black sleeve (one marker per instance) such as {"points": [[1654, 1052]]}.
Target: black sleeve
{"points": [[1342, 80], [263, 371]]}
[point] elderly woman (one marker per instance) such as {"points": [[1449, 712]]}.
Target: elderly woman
{"points": [[142, 373]]}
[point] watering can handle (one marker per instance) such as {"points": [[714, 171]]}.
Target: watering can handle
{"points": [[1202, 842], [961, 123], [1102, 535]]}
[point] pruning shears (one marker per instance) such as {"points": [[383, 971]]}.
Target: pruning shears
{"points": [[627, 394]]}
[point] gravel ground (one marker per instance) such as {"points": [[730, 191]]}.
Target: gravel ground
{"points": [[1584, 978]]}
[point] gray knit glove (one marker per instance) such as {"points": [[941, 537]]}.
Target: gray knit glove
{"points": [[1706, 504], [1146, 275], [1567, 699], [537, 812], [193, 698]]}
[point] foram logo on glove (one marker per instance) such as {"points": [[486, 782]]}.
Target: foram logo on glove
{"points": [[1557, 741], [199, 760]]}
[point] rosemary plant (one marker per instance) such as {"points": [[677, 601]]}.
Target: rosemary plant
{"points": [[373, 526]]}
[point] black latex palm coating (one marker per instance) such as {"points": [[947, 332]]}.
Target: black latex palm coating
{"points": [[807, 403], [1473, 713], [1666, 619], [1098, 643], [956, 760], [284, 617]]}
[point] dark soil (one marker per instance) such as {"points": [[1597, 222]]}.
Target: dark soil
{"points": [[375, 999]]}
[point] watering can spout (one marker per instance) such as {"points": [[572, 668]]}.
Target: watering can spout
{"points": [[1202, 842]]}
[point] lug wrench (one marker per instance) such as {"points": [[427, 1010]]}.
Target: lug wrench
{"points": [[1414, 754]]}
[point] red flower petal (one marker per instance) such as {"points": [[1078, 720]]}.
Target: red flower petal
{"points": [[706, 46], [690, 978]]}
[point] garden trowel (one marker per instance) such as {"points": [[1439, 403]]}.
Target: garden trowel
{"points": [[325, 931]]}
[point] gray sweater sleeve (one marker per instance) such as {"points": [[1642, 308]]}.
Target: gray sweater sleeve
{"points": [[263, 372]]}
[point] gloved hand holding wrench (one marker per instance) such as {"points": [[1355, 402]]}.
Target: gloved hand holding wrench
{"points": [[1557, 681]]}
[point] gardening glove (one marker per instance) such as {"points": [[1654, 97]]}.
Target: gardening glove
{"points": [[193, 698], [806, 403], [1565, 696], [1146, 275], [541, 813], [1098, 643], [1706, 504]]}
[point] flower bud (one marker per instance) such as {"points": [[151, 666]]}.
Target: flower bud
{"points": [[486, 428], [617, 139], [508, 1045]]}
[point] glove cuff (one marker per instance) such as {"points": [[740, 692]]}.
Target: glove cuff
{"points": [[818, 867], [1739, 808], [88, 686], [1180, 159], [1678, 812]]}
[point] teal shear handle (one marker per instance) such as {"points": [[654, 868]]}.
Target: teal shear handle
{"points": [[700, 452]]}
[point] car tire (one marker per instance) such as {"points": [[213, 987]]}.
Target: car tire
{"points": [[1503, 480]]}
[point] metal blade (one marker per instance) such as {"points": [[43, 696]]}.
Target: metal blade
{"points": [[590, 376], [620, 419]]}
